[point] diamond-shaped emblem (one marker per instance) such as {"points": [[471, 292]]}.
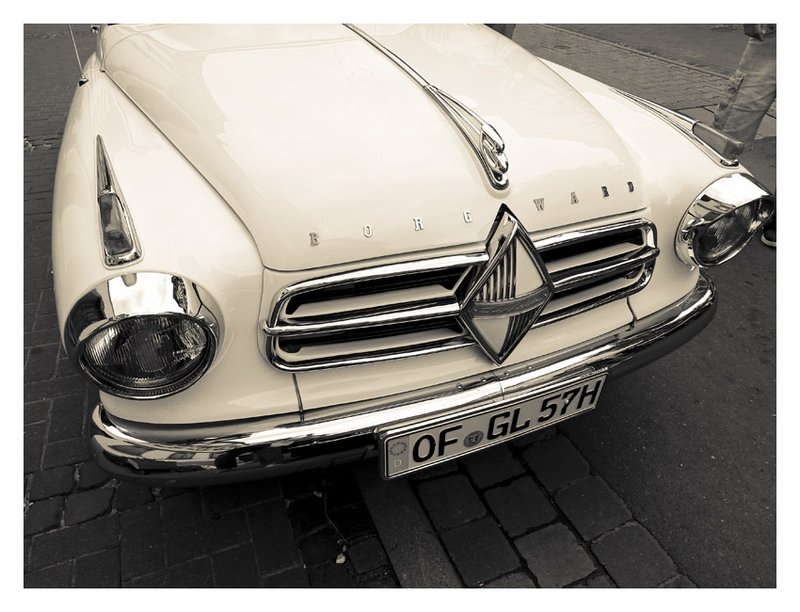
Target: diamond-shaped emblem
{"points": [[510, 291]]}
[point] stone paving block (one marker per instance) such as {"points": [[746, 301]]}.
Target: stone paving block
{"points": [[592, 507], [480, 551], [57, 387], [129, 495], [26, 555], [294, 578], [141, 545], [273, 538], [633, 558], [182, 509], [47, 305], [48, 483], [91, 475], [410, 541], [36, 411], [556, 462], [300, 485], [43, 515], [517, 580], [307, 515], [352, 521], [520, 506], [42, 390], [381, 580], [33, 444], [41, 363], [235, 567], [492, 466], [554, 556], [450, 501], [367, 555], [219, 500], [341, 487], [47, 322], [596, 582], [56, 576], [29, 317], [442, 469], [322, 546], [331, 576], [65, 368], [71, 542], [65, 452], [193, 574], [183, 543], [540, 435], [98, 570], [679, 582], [66, 418], [84, 506], [225, 532]]}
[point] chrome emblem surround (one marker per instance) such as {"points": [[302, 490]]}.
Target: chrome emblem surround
{"points": [[510, 291]]}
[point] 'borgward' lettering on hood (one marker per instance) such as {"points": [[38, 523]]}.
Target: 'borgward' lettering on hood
{"points": [[234, 110]]}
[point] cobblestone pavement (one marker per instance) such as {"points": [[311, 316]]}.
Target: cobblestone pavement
{"points": [[529, 514]]}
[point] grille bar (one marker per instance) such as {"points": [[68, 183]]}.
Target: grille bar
{"points": [[329, 321]]}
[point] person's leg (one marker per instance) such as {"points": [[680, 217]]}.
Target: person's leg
{"points": [[750, 93]]}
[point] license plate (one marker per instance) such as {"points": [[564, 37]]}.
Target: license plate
{"points": [[414, 447]]}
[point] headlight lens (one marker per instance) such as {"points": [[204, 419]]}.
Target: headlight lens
{"points": [[722, 220], [152, 355], [144, 335]]}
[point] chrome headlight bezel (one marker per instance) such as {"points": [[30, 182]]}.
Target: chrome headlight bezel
{"points": [[724, 197], [147, 296]]}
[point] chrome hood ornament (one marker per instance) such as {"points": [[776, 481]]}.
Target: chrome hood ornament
{"points": [[510, 290], [483, 139]]}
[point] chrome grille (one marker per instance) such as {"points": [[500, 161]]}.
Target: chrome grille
{"points": [[402, 310]]}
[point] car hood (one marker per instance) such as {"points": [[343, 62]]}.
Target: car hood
{"points": [[329, 153]]}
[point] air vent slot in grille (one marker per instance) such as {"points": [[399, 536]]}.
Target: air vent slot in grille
{"points": [[400, 310]]}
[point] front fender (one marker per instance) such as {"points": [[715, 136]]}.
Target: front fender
{"points": [[184, 228]]}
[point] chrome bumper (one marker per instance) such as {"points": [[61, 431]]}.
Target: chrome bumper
{"points": [[269, 449]]}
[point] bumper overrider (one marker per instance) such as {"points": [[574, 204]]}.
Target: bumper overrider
{"points": [[267, 448]]}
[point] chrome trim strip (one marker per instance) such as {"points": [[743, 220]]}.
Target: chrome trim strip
{"points": [[363, 358], [136, 294], [560, 315], [368, 274], [682, 123], [483, 139], [216, 458], [568, 279], [435, 311], [113, 209], [574, 237]]}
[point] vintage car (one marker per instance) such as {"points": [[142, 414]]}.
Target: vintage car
{"points": [[282, 247]]}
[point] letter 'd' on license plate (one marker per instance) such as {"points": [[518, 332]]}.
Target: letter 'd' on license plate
{"points": [[414, 447]]}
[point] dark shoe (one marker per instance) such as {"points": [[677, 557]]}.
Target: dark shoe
{"points": [[768, 236]]}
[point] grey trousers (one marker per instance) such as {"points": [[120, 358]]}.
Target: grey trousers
{"points": [[750, 92]]}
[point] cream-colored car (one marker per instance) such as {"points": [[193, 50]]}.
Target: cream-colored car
{"points": [[278, 247]]}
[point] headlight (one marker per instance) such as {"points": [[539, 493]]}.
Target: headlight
{"points": [[722, 220], [143, 335]]}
